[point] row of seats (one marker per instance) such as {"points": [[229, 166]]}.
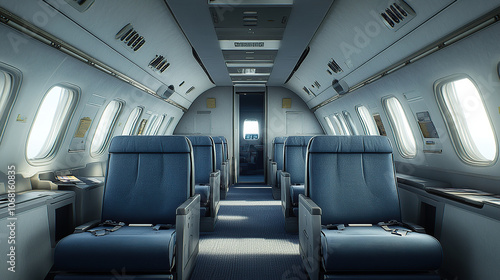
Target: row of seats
{"points": [[212, 176], [160, 192], [286, 174], [349, 215]]}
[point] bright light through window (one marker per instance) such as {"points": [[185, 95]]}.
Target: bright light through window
{"points": [[105, 127], [330, 125], [401, 127], [51, 119], [468, 121], [366, 118], [251, 129], [5, 86], [132, 121]]}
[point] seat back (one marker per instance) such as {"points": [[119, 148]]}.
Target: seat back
{"points": [[352, 179], [219, 151], [294, 159], [156, 171], [226, 151], [278, 145], [204, 158]]}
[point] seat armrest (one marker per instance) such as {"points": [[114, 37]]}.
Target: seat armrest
{"points": [[224, 176], [214, 193], [87, 226], [286, 201], [310, 235], [272, 175], [187, 227]]}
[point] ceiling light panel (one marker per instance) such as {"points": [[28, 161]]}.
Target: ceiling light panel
{"points": [[249, 45]]}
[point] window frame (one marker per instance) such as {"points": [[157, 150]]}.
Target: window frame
{"points": [[451, 127], [64, 124], [109, 131], [155, 127], [366, 127], [15, 84], [404, 150], [134, 121], [330, 125], [350, 123]]}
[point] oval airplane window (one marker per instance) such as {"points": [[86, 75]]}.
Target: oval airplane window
{"points": [[330, 125], [467, 120], [51, 121], [131, 123], [369, 125], [105, 127], [350, 123], [156, 126], [401, 127]]}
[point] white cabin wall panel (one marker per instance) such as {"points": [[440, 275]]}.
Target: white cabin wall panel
{"points": [[431, 31], [43, 67], [476, 56], [221, 117], [94, 32], [277, 116], [352, 33], [154, 22]]}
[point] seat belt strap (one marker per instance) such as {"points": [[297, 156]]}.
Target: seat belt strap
{"points": [[400, 232], [105, 231]]}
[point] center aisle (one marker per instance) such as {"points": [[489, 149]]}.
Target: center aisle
{"points": [[249, 241]]}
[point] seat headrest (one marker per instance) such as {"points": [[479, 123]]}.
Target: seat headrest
{"points": [[350, 144], [217, 139], [199, 140], [149, 144], [279, 140], [298, 141]]}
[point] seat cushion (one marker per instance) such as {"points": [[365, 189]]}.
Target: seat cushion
{"points": [[374, 249], [295, 190], [204, 192], [133, 249]]}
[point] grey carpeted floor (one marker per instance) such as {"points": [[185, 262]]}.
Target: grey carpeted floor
{"points": [[249, 241]]}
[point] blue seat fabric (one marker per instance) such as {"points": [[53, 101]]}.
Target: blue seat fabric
{"points": [[204, 192], [295, 150], [278, 143], [351, 178], [295, 190], [219, 151], [374, 249], [148, 177], [203, 165], [135, 249]]}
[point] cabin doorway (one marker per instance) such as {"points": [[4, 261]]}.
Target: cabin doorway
{"points": [[251, 137]]}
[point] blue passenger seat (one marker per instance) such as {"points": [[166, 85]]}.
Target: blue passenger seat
{"points": [[292, 178], [350, 224], [150, 215], [207, 180], [221, 164], [275, 165]]}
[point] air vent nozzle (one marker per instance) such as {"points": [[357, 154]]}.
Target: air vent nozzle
{"points": [[130, 37], [159, 63], [334, 66], [165, 92], [190, 90], [397, 15], [340, 87]]}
